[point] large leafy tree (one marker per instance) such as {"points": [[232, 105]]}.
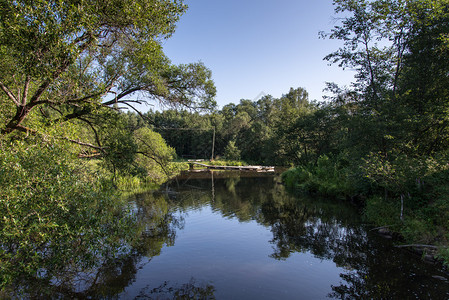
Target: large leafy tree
{"points": [[398, 49], [66, 60], [424, 87], [394, 118], [374, 35], [66, 67]]}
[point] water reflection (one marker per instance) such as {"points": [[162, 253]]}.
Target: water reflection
{"points": [[157, 225], [150, 267], [116, 264], [330, 230], [190, 290]]}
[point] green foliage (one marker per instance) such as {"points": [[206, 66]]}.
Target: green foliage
{"points": [[382, 212], [231, 151], [443, 253], [393, 120], [383, 139], [415, 200], [395, 173], [130, 149], [53, 218], [329, 177], [130, 185], [292, 177], [154, 156], [226, 163], [62, 61], [262, 131], [121, 151], [67, 67]]}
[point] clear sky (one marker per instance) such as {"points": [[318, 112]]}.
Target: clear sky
{"points": [[255, 46]]}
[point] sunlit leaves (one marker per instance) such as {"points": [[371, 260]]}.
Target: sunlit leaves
{"points": [[69, 56], [154, 156], [51, 217]]}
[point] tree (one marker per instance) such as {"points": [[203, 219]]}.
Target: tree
{"points": [[423, 91], [55, 215], [374, 36], [68, 67], [399, 52], [395, 116], [287, 110], [231, 151], [154, 156], [64, 60]]}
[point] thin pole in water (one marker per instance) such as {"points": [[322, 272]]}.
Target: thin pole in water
{"points": [[213, 145]]}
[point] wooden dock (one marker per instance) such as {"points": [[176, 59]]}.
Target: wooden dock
{"points": [[234, 168]]}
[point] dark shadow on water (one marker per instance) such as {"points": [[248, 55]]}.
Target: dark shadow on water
{"points": [[190, 290]]}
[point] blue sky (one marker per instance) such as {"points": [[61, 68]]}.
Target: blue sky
{"points": [[258, 46]]}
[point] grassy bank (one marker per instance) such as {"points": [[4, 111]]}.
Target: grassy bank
{"points": [[409, 196], [184, 164]]}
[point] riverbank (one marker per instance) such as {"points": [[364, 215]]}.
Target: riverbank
{"points": [[417, 210]]}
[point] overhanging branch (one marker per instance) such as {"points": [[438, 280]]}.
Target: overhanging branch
{"points": [[9, 94], [83, 144]]}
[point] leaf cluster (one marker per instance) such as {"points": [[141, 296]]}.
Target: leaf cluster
{"points": [[54, 220]]}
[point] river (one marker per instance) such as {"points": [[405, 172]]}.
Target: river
{"points": [[241, 235], [230, 235]]}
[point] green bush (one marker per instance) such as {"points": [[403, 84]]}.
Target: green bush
{"points": [[443, 253], [154, 156], [226, 163], [291, 177], [51, 217], [327, 178], [381, 212], [419, 185], [232, 152]]}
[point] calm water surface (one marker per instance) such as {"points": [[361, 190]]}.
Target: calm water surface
{"points": [[236, 236]]}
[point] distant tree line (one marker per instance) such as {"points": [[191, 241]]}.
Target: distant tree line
{"points": [[253, 131]]}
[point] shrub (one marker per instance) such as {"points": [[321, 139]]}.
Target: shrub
{"points": [[51, 217], [232, 152], [327, 178]]}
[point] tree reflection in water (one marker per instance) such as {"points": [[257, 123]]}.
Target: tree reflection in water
{"points": [[328, 229], [154, 227], [191, 290]]}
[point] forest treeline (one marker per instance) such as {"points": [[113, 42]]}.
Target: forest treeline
{"points": [[70, 68], [256, 132]]}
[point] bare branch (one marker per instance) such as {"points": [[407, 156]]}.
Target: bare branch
{"points": [[25, 90], [82, 144], [26, 129], [136, 110], [84, 99], [93, 129], [123, 94], [56, 109], [9, 94], [71, 116], [155, 160], [95, 155]]}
